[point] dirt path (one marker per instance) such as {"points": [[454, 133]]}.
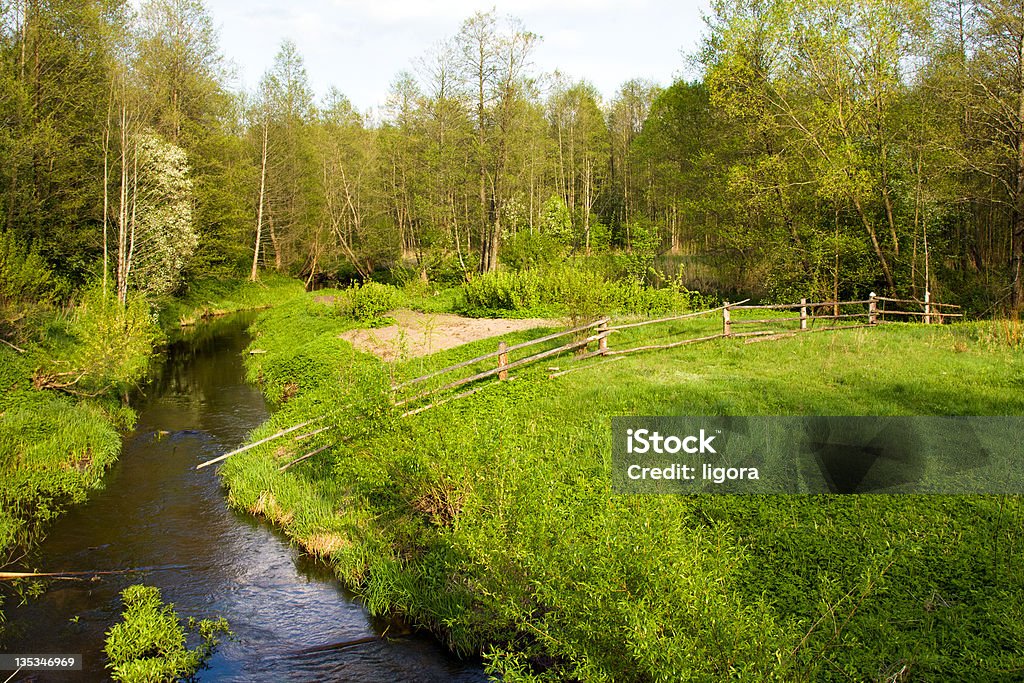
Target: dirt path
{"points": [[419, 334]]}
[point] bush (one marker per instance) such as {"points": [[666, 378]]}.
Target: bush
{"points": [[368, 302], [448, 269], [110, 347], [633, 297], [528, 250], [644, 242], [584, 295], [24, 276], [149, 645], [502, 292]]}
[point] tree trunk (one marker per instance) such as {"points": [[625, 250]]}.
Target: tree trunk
{"points": [[274, 241], [883, 262], [259, 211]]}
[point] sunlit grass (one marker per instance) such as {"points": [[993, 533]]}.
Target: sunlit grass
{"points": [[490, 519]]}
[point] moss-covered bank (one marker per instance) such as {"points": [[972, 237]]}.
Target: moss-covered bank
{"points": [[490, 519]]}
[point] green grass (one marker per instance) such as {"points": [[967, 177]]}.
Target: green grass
{"points": [[491, 521], [53, 450], [214, 297]]}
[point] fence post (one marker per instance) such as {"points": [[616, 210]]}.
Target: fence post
{"points": [[726, 321], [872, 309], [502, 360], [803, 314], [602, 343], [927, 307]]}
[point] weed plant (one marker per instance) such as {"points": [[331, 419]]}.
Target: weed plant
{"points": [[150, 644]]}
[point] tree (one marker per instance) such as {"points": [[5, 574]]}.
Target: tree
{"points": [[494, 59], [55, 64], [826, 78], [583, 151], [992, 97], [288, 172], [626, 116]]}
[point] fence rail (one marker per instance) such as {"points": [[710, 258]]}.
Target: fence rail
{"points": [[804, 314]]}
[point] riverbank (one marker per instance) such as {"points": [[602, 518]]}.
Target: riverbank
{"points": [[490, 520], [288, 614], [62, 395]]}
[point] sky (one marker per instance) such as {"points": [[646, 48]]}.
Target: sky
{"points": [[359, 46]]}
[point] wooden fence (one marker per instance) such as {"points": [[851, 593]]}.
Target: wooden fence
{"points": [[596, 331], [860, 314], [804, 318]]}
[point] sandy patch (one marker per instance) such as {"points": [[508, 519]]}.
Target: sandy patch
{"points": [[419, 334]]}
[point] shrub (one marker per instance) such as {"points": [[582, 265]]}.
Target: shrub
{"points": [[112, 344], [368, 302], [502, 292], [150, 644], [527, 250], [23, 273], [583, 295], [449, 269], [644, 242], [633, 297]]}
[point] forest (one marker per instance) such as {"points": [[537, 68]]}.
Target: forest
{"points": [[828, 147]]}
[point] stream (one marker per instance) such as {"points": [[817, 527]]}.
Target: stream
{"points": [[155, 510]]}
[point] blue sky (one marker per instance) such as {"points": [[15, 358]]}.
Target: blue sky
{"points": [[360, 46]]}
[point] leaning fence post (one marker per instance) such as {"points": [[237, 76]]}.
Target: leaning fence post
{"points": [[803, 314], [602, 343], [726, 321], [927, 307], [872, 309], [502, 360]]}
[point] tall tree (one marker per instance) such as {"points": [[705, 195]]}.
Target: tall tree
{"points": [[495, 59]]}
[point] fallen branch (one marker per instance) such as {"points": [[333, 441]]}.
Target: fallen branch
{"points": [[10, 576], [260, 442], [19, 350]]}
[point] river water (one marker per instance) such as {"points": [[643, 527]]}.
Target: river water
{"points": [[157, 511]]}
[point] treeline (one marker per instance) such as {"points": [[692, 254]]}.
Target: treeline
{"points": [[830, 148]]}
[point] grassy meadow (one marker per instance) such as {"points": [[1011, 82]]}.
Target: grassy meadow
{"points": [[490, 520]]}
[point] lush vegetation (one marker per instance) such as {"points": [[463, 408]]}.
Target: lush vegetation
{"points": [[149, 645], [211, 297], [824, 150], [490, 519], [66, 387]]}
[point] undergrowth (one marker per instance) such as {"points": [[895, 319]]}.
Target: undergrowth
{"points": [[213, 297]]}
